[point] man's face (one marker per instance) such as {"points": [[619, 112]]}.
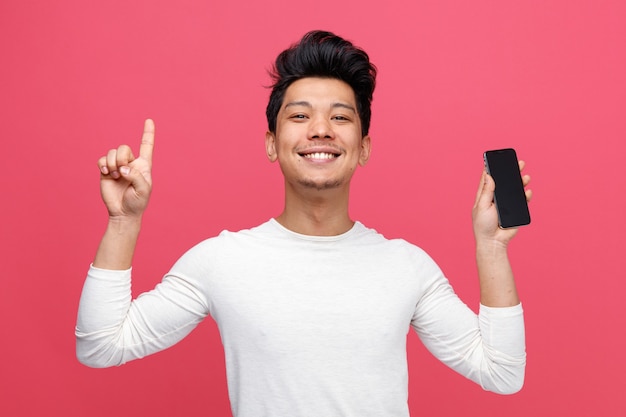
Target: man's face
{"points": [[318, 141]]}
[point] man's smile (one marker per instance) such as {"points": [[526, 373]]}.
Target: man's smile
{"points": [[319, 155]]}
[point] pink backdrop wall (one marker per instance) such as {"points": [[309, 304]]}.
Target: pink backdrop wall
{"points": [[456, 78]]}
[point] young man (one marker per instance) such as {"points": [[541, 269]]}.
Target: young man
{"points": [[313, 308]]}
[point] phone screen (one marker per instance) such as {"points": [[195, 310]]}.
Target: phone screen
{"points": [[509, 198]]}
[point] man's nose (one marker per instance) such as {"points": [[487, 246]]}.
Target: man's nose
{"points": [[321, 129]]}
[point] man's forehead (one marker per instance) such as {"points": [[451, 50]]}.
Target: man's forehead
{"points": [[314, 91]]}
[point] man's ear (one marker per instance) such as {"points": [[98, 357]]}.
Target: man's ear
{"points": [[270, 146], [366, 148]]}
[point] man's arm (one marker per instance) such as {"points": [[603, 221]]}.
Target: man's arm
{"points": [[497, 285], [488, 349], [125, 186]]}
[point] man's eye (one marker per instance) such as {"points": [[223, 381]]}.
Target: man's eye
{"points": [[298, 116], [340, 118]]}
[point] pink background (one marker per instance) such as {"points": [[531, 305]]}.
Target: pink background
{"points": [[456, 78]]}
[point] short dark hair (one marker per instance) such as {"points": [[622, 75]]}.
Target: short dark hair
{"points": [[323, 54]]}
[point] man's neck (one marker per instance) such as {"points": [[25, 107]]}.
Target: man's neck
{"points": [[323, 213]]}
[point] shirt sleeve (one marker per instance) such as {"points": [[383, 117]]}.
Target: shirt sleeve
{"points": [[113, 329], [488, 348]]}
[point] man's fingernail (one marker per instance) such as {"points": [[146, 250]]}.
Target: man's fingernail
{"points": [[124, 170]]}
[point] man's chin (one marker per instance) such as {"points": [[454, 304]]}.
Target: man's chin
{"points": [[321, 185]]}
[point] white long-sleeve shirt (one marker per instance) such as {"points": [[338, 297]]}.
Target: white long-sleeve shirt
{"points": [[311, 325]]}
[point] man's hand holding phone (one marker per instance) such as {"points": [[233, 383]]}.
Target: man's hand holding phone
{"points": [[501, 201]]}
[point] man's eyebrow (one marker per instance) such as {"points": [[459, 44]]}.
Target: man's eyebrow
{"points": [[304, 103], [298, 103], [344, 106]]}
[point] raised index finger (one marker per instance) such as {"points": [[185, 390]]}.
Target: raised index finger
{"points": [[147, 141]]}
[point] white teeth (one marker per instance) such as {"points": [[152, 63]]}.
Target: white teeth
{"points": [[319, 155]]}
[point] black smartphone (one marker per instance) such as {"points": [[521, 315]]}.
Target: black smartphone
{"points": [[509, 198]]}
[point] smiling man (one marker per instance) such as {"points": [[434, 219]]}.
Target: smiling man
{"points": [[313, 307], [318, 143]]}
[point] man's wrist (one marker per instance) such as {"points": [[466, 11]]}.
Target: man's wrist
{"points": [[124, 224], [491, 247]]}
